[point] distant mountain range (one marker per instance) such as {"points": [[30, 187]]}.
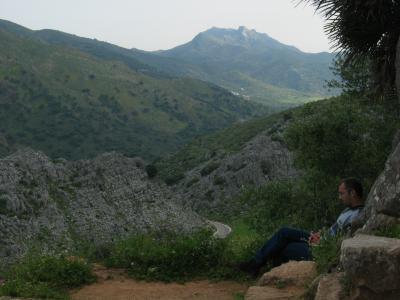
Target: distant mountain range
{"points": [[75, 98], [250, 64]]}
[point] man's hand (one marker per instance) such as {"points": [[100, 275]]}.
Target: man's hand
{"points": [[314, 238]]}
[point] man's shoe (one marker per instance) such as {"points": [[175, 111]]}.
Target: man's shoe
{"points": [[250, 267]]}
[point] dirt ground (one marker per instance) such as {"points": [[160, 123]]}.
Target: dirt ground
{"points": [[113, 284]]}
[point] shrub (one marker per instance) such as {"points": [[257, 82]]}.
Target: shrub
{"points": [[177, 257], [392, 231], [151, 171], [174, 178], [192, 181], [169, 256], [209, 168], [327, 253], [219, 180], [44, 276]]}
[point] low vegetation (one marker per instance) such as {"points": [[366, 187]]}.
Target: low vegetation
{"points": [[326, 254], [70, 104], [224, 142], [45, 276], [391, 231], [173, 257]]}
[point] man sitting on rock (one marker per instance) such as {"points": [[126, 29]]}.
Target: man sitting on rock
{"points": [[294, 244]]}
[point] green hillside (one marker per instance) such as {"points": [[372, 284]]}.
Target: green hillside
{"points": [[250, 64], [254, 65], [73, 105], [313, 132]]}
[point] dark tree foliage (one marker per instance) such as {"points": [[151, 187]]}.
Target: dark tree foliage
{"points": [[353, 78], [363, 28]]}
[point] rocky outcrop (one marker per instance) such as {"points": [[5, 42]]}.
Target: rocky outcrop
{"points": [[373, 264], [330, 287], [294, 273], [54, 204], [263, 159], [398, 68], [285, 282], [382, 209]]}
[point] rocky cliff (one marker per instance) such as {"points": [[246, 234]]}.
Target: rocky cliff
{"points": [[398, 68], [57, 203], [263, 159]]}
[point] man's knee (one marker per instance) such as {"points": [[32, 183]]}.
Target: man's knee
{"points": [[284, 231]]}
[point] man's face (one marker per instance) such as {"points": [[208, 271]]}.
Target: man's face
{"points": [[344, 195]]}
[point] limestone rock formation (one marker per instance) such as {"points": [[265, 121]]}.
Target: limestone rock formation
{"points": [[398, 68], [330, 287], [297, 273], [373, 264], [56, 203], [285, 282], [383, 203], [263, 159]]}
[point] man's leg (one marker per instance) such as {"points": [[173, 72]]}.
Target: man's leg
{"points": [[293, 251], [273, 248], [278, 242]]}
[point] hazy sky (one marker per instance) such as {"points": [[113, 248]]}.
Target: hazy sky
{"points": [[163, 24]]}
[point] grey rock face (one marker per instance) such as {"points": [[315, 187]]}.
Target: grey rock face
{"points": [[53, 204], [263, 159], [373, 263], [330, 287], [383, 202], [398, 68]]}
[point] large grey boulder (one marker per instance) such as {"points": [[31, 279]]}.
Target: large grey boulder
{"points": [[383, 202], [373, 264], [285, 282], [398, 68], [330, 287]]}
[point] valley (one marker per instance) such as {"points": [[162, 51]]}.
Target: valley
{"points": [[159, 174]]}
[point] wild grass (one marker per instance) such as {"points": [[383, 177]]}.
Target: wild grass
{"points": [[174, 257], [46, 277]]}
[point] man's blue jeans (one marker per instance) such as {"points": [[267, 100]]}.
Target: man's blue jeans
{"points": [[286, 244]]}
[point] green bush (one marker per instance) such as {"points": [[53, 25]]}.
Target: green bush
{"points": [[174, 178], [219, 180], [168, 256], [151, 171], [43, 276], [342, 137], [192, 181], [327, 253], [392, 231], [175, 257], [207, 169]]}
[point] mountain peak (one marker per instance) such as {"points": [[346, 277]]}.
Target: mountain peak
{"points": [[245, 31], [240, 37]]}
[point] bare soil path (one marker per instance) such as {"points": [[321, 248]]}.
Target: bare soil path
{"points": [[113, 284]]}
